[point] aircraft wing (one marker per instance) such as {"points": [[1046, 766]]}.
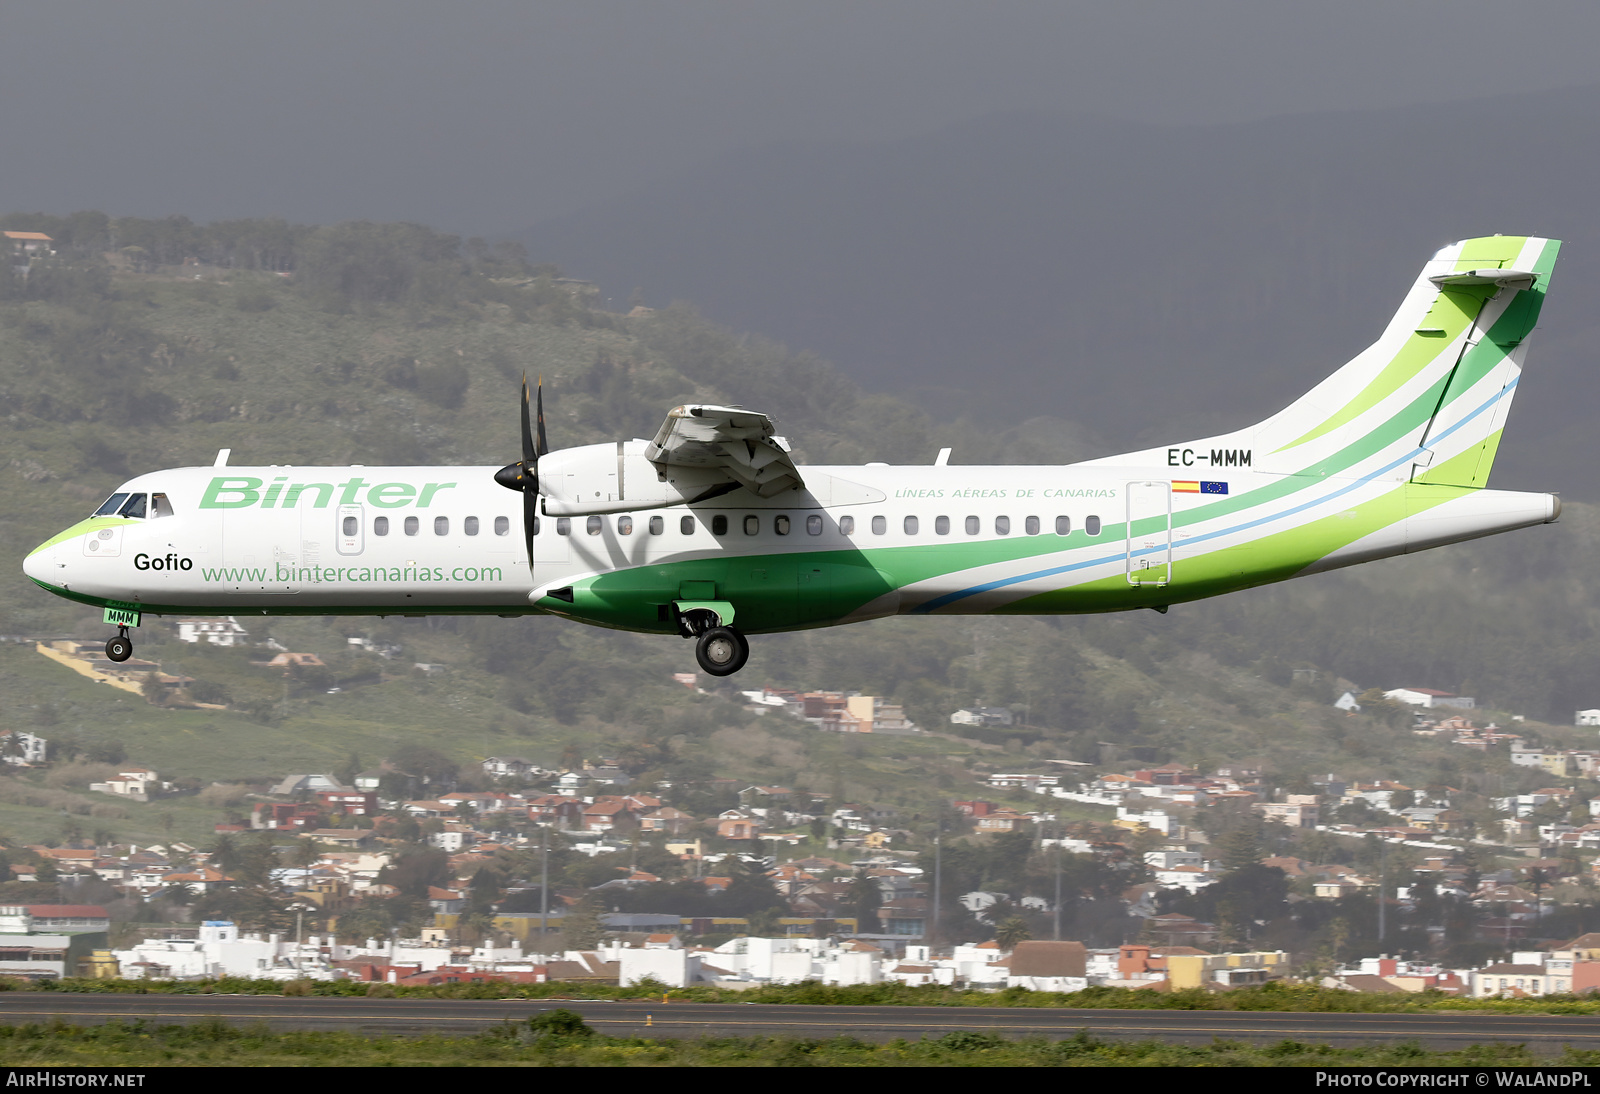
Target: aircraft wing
{"points": [[737, 443]]}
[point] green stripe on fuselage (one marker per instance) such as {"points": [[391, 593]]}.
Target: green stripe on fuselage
{"points": [[93, 524], [1262, 561]]}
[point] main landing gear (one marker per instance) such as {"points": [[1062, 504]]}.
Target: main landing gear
{"points": [[119, 648], [721, 651]]}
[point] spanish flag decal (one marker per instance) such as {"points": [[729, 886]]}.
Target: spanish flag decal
{"points": [[1199, 488]]}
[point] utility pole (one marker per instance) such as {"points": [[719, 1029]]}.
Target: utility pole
{"points": [[544, 891], [1383, 865], [938, 863], [1058, 893]]}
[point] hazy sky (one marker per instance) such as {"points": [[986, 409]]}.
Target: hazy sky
{"points": [[489, 115]]}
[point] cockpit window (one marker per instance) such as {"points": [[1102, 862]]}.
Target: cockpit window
{"points": [[160, 506], [133, 507], [112, 504]]}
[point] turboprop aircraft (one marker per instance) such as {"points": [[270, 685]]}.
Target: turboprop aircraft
{"points": [[712, 532]]}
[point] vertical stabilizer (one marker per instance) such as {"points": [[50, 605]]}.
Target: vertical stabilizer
{"points": [[1426, 402]]}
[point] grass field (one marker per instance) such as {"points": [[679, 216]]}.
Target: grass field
{"points": [[217, 1044]]}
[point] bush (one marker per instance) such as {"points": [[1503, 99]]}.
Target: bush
{"points": [[560, 1023]]}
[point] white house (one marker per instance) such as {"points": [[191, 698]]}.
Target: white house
{"points": [[218, 950], [218, 632], [1428, 697], [982, 716], [22, 748]]}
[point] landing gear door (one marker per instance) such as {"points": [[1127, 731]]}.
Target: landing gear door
{"points": [[1149, 533]]}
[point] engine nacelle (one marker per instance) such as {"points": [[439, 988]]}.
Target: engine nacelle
{"points": [[616, 478]]}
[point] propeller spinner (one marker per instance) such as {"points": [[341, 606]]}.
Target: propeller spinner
{"points": [[524, 474]]}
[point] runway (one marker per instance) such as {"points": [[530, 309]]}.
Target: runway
{"points": [[409, 1017]]}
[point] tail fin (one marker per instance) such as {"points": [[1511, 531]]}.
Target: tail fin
{"points": [[1427, 400]]}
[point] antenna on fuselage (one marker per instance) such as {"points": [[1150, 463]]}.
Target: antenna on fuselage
{"points": [[222, 457]]}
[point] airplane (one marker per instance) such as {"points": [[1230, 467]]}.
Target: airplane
{"points": [[711, 531]]}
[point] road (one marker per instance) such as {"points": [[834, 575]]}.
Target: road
{"points": [[637, 1019]]}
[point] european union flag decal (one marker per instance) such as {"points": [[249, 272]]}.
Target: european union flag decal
{"points": [[1213, 488]]}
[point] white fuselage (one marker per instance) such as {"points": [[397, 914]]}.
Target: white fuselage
{"points": [[419, 540]]}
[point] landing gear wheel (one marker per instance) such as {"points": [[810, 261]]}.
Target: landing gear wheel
{"points": [[722, 651], [119, 648]]}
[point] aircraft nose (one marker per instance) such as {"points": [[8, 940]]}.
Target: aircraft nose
{"points": [[41, 565]]}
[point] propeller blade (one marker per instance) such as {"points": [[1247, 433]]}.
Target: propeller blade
{"points": [[524, 474], [542, 447], [530, 515], [530, 454]]}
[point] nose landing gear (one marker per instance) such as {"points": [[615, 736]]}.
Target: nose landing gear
{"points": [[119, 648]]}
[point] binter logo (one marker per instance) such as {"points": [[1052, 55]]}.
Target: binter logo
{"points": [[143, 561], [247, 491]]}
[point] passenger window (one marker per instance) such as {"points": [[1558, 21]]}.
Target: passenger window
{"points": [[624, 526], [880, 525], [719, 525], [910, 526], [412, 524], [657, 526], [160, 506], [847, 525], [351, 526], [941, 526], [380, 526], [814, 525], [133, 507], [441, 526], [1002, 526], [111, 505], [592, 526], [470, 526], [1063, 526], [1091, 525], [686, 526], [973, 524], [563, 526], [502, 525], [780, 525], [752, 525], [1031, 526]]}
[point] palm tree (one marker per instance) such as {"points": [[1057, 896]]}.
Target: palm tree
{"points": [[1011, 931]]}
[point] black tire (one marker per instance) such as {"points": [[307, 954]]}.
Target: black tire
{"points": [[722, 651], [119, 648]]}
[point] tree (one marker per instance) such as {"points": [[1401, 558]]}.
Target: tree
{"points": [[1012, 930], [1007, 858], [415, 869], [433, 767], [581, 930], [347, 771], [864, 900], [1241, 848]]}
